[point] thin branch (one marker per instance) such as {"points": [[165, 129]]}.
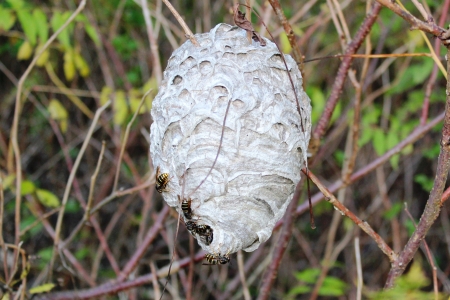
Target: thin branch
{"points": [[426, 26], [296, 53], [183, 24], [359, 278], [362, 224], [240, 261], [157, 70], [343, 69], [434, 204], [125, 140], [70, 181]]}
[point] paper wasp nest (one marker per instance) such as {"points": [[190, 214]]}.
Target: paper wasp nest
{"points": [[263, 146]]}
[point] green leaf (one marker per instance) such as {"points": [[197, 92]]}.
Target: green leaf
{"points": [[47, 198], [319, 102], [308, 275], [300, 289], [57, 22], [332, 286], [27, 187], [28, 25], [284, 43], [120, 108], [7, 19], [379, 141], [25, 51], [69, 65], [393, 211], [46, 287], [92, 33], [16, 4], [41, 24], [415, 278], [425, 182]]}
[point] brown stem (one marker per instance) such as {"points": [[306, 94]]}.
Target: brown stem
{"points": [[296, 53], [362, 224], [151, 235], [343, 69], [415, 23], [434, 203]]}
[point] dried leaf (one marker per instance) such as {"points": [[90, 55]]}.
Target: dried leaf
{"points": [[242, 22]]}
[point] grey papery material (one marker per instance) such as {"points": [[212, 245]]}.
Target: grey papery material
{"points": [[263, 146]]}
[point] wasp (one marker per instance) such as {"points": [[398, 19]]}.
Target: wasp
{"points": [[161, 181], [191, 226], [205, 232], [186, 207], [214, 259]]}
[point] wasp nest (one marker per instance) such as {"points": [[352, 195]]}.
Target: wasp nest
{"points": [[263, 146]]}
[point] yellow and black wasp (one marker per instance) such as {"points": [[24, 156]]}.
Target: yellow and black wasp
{"points": [[214, 259], [161, 181]]}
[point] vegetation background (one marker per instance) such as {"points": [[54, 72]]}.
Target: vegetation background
{"points": [[80, 215]]}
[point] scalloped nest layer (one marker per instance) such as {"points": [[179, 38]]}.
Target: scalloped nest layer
{"points": [[263, 146]]}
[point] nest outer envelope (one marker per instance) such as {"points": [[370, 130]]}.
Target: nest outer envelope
{"points": [[263, 146]]}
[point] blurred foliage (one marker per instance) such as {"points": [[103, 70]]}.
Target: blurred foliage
{"points": [[105, 55]]}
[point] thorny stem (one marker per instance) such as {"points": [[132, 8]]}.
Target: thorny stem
{"points": [[343, 69], [434, 204]]}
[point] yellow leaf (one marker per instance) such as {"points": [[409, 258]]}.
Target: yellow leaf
{"points": [[8, 181], [25, 51], [81, 65], [42, 60], [57, 110], [135, 97], [47, 287], [284, 43], [47, 198], [105, 94], [27, 187], [59, 113], [120, 108], [6, 296], [69, 65]]}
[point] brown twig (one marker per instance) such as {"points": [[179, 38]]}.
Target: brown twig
{"points": [[343, 69], [362, 224], [296, 53], [434, 204], [70, 181], [157, 70], [426, 26], [428, 255], [151, 235], [183, 24]]}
